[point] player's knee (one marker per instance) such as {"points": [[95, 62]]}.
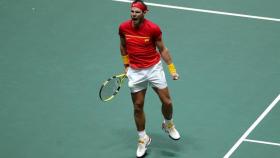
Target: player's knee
{"points": [[138, 107]]}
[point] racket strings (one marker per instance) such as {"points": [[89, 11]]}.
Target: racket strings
{"points": [[110, 88]]}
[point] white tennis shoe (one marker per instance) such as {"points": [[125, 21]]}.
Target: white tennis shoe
{"points": [[171, 130], [143, 146]]}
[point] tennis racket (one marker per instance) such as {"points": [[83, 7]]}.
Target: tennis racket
{"points": [[111, 87]]}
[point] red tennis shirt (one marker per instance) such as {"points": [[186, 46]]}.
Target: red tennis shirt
{"points": [[140, 43]]}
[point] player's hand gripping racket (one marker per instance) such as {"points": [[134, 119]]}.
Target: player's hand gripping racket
{"points": [[111, 87]]}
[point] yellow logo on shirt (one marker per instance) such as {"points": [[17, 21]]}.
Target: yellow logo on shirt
{"points": [[144, 38]]}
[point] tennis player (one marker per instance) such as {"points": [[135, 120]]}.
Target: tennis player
{"points": [[142, 49]]}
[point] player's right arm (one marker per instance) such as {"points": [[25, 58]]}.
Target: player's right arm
{"points": [[124, 53]]}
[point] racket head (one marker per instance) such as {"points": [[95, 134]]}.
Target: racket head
{"points": [[110, 88]]}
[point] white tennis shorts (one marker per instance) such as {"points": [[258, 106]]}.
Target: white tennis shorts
{"points": [[139, 79]]}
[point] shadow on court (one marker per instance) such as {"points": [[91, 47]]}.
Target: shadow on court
{"points": [[161, 146]]}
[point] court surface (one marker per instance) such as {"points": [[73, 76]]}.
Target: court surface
{"points": [[54, 56]]}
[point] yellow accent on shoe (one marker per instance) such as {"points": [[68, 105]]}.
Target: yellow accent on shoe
{"points": [[170, 125], [141, 141]]}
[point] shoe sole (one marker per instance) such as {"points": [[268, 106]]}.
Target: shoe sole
{"points": [[173, 138]]}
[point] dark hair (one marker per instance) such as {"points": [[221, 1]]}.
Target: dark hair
{"points": [[135, 1]]}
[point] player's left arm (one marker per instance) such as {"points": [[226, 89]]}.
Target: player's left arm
{"points": [[165, 55]]}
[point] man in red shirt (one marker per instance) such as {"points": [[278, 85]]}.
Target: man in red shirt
{"points": [[140, 39]]}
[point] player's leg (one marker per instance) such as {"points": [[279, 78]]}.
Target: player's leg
{"points": [[167, 112], [159, 84], [139, 117], [138, 104], [158, 81], [167, 107], [138, 85]]}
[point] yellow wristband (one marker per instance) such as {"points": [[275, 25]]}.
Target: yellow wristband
{"points": [[125, 59], [171, 68]]}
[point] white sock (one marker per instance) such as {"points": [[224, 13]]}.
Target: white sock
{"points": [[142, 134], [167, 121]]}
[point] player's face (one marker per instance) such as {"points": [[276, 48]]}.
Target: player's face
{"points": [[137, 15]]}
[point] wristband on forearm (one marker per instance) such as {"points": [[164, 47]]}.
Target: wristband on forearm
{"points": [[125, 59], [172, 68]]}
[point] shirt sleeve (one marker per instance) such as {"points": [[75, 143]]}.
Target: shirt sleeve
{"points": [[121, 31], [157, 33]]}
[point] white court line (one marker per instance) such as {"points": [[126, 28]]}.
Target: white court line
{"points": [[252, 127], [206, 11], [261, 142]]}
